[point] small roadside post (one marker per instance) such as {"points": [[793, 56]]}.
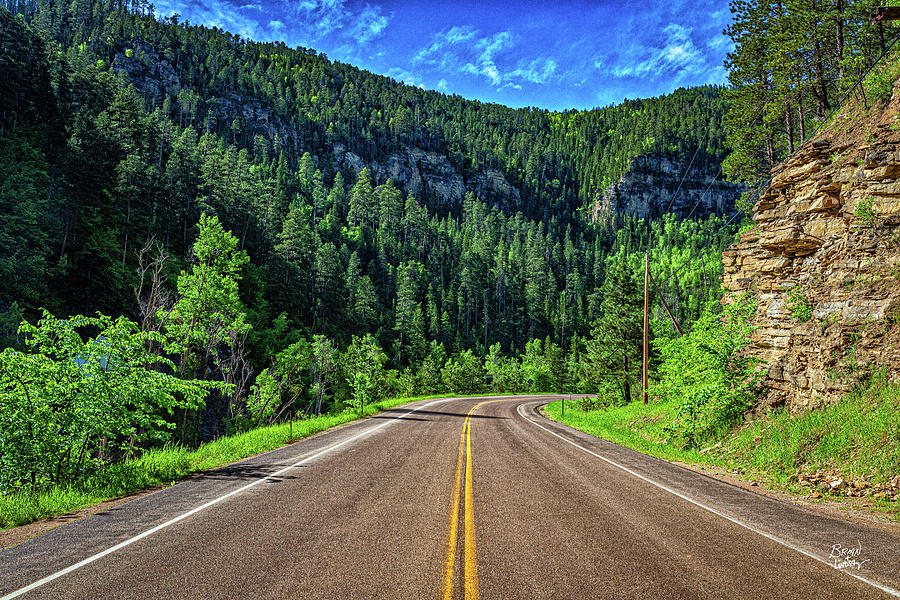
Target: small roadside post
{"points": [[646, 367]]}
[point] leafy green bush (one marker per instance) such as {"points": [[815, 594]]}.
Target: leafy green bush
{"points": [[365, 357], [426, 378], [504, 372], [709, 373], [879, 84], [799, 304], [463, 374], [69, 406], [865, 212]]}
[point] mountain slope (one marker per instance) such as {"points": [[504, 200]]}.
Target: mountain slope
{"points": [[215, 81]]}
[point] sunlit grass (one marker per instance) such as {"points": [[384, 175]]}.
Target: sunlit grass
{"points": [[634, 425], [857, 437], [167, 464]]}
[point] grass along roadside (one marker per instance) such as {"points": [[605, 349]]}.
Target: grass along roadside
{"points": [[849, 449], [634, 426], [168, 464]]}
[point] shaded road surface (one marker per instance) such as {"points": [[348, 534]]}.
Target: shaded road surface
{"points": [[460, 498]]}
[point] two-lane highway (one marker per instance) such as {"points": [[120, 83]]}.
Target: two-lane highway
{"points": [[457, 498]]}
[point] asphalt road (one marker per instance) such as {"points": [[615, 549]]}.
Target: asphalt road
{"points": [[460, 498]]}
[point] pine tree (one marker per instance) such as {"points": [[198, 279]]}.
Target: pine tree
{"points": [[615, 348]]}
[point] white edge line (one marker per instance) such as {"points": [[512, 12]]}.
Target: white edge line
{"points": [[881, 587], [193, 511]]}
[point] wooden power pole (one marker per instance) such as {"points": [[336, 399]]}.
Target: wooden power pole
{"points": [[646, 322]]}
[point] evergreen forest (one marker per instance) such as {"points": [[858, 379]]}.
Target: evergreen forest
{"points": [[182, 254]]}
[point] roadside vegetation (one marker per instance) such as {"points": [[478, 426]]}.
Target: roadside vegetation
{"points": [[849, 449], [258, 293], [705, 381], [165, 465]]}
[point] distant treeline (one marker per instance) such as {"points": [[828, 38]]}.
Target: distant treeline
{"points": [[253, 283]]}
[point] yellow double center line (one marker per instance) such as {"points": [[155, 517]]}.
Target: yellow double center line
{"points": [[470, 566]]}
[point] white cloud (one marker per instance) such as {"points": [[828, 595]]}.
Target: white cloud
{"points": [[462, 49], [404, 76], [435, 53], [538, 70], [679, 56], [370, 23], [322, 16], [717, 43], [305, 22], [213, 13], [443, 86]]}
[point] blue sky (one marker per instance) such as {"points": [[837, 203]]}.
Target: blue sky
{"points": [[557, 55]]}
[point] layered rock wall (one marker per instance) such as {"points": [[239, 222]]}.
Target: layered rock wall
{"points": [[431, 176], [655, 183], [824, 261]]}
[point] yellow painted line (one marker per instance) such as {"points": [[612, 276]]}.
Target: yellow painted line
{"points": [[470, 563], [454, 525]]}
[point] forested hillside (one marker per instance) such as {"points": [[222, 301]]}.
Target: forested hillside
{"points": [[792, 65], [187, 180], [107, 167]]}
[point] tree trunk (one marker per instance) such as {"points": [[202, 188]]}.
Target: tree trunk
{"points": [[822, 106], [789, 127], [839, 37]]}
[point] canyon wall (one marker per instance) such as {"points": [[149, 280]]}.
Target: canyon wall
{"points": [[655, 183], [823, 259]]}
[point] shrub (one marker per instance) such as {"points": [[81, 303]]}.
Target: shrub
{"points": [[504, 372], [69, 406], [463, 374], [709, 373], [865, 211], [798, 304]]}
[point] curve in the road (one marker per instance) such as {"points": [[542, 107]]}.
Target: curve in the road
{"points": [[351, 514], [885, 588]]}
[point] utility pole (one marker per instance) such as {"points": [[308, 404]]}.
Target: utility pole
{"points": [[646, 321]]}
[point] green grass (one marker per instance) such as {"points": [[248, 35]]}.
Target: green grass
{"points": [[634, 425], [857, 437], [168, 464]]}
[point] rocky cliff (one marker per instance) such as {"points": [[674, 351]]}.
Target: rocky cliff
{"points": [[654, 182], [432, 177], [428, 175], [824, 261], [645, 190]]}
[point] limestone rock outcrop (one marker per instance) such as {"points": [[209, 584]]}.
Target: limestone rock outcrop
{"points": [[653, 183], [823, 259], [155, 77], [431, 176]]}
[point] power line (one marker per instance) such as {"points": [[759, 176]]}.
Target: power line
{"points": [[715, 179], [784, 163], [686, 171], [781, 167], [840, 104]]}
